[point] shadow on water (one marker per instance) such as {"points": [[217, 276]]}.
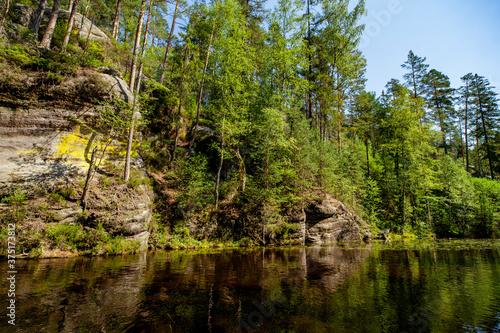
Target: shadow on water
{"points": [[326, 289]]}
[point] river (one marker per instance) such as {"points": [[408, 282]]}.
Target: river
{"points": [[438, 286]]}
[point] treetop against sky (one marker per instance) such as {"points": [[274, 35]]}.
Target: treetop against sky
{"points": [[456, 37]]}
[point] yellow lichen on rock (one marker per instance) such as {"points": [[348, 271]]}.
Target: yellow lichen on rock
{"points": [[72, 146]]}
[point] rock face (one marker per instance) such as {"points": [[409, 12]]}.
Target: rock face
{"points": [[43, 146], [86, 29], [37, 123], [22, 14], [328, 220]]}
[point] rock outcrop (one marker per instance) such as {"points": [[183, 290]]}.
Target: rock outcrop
{"points": [[328, 220], [23, 15], [44, 147], [39, 146]]}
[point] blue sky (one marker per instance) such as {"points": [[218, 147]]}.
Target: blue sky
{"points": [[456, 36]]}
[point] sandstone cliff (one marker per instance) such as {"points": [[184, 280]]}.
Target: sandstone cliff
{"points": [[44, 152]]}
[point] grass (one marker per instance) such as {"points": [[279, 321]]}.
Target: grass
{"points": [[76, 239]]}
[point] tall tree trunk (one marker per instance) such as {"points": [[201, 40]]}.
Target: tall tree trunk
{"points": [[136, 47], [404, 183], [180, 106], [90, 174], [367, 155], [200, 93], [143, 50], [7, 6], [478, 156], [116, 21], [70, 5], [70, 25], [441, 123], [339, 128], [339, 122], [176, 140], [481, 112], [318, 110], [461, 140], [242, 169], [49, 31], [309, 77], [466, 123], [126, 175], [217, 183], [486, 139], [88, 36], [164, 65], [37, 18], [414, 81]]}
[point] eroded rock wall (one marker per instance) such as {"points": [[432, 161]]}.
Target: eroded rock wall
{"points": [[44, 145], [329, 220]]}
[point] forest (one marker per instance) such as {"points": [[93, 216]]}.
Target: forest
{"points": [[258, 109]]}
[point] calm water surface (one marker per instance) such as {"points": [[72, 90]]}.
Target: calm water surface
{"points": [[433, 287]]}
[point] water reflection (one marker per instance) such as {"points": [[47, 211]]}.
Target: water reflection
{"points": [[324, 289]]}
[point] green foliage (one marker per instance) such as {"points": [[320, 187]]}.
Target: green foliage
{"points": [[138, 178], [59, 32], [16, 201], [195, 185], [284, 117], [56, 198], [17, 54], [93, 241], [487, 207], [55, 78], [56, 62], [93, 55]]}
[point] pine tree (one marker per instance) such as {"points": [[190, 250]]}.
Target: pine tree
{"points": [[405, 154], [73, 9], [365, 107], [488, 115], [135, 54], [37, 17], [417, 71], [465, 98], [440, 102], [340, 66], [4, 16], [169, 44], [116, 21], [49, 30]]}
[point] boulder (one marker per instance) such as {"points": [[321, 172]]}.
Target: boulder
{"points": [[328, 220], [66, 213], [22, 15], [86, 29], [203, 132], [110, 71]]}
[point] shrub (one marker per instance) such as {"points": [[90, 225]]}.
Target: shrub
{"points": [[93, 55], [18, 55], [487, 221], [17, 203]]}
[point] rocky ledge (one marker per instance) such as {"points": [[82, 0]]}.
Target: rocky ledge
{"points": [[328, 220]]}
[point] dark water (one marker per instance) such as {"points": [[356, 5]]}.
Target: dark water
{"points": [[436, 287]]}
